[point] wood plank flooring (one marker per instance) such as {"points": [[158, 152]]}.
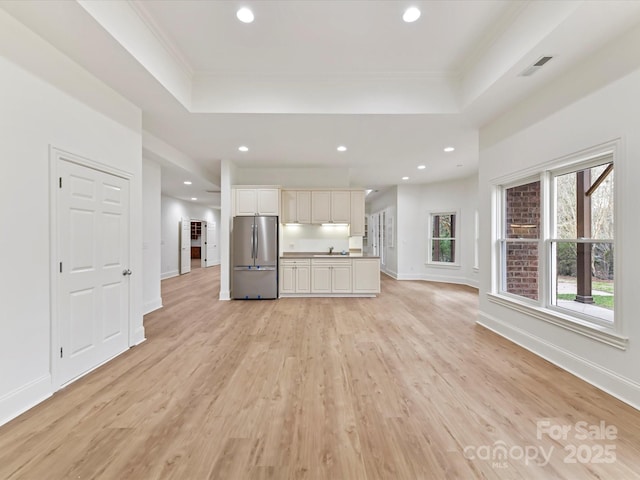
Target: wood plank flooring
{"points": [[403, 386]]}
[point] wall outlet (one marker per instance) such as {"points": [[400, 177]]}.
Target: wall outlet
{"points": [[292, 245]]}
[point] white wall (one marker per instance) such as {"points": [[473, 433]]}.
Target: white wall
{"points": [[172, 211], [36, 115], [609, 113], [151, 252], [415, 203]]}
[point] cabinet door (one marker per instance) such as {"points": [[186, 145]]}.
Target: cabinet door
{"points": [[320, 207], [287, 279], [341, 278], [246, 201], [366, 275], [303, 279], [268, 201], [357, 214], [341, 207], [321, 279], [303, 206], [289, 206]]}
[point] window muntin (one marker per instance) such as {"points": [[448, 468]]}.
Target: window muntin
{"points": [[442, 238]]}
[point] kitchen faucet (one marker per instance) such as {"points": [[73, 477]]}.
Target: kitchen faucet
{"points": [[330, 250]]}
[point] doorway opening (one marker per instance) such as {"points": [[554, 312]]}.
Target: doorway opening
{"points": [[197, 244]]}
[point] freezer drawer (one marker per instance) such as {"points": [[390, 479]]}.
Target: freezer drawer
{"points": [[255, 284]]}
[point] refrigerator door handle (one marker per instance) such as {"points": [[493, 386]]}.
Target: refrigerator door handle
{"points": [[257, 242], [253, 240]]}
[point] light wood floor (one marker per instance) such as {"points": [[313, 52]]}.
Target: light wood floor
{"points": [[397, 387]]}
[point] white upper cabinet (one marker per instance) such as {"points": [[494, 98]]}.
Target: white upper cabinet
{"points": [[268, 201], [357, 213], [246, 201], [341, 207], [324, 206], [303, 206], [257, 201], [320, 206], [330, 206], [296, 206]]}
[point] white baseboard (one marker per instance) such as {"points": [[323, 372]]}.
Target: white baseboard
{"points": [[226, 295], [390, 273], [138, 336], [616, 385], [22, 399], [437, 278], [214, 263], [170, 274], [152, 305]]}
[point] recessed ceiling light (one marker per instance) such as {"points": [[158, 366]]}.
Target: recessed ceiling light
{"points": [[411, 14], [187, 182], [449, 149], [342, 148], [405, 178], [193, 198], [421, 167], [243, 148], [245, 15]]}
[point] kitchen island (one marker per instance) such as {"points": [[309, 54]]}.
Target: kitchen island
{"points": [[317, 274]]}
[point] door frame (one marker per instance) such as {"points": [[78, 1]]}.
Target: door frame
{"points": [[56, 155], [203, 229]]}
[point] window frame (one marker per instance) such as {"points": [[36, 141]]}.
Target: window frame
{"points": [[611, 333], [456, 239]]}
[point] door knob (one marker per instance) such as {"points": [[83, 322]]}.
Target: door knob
{"points": [[126, 272]]}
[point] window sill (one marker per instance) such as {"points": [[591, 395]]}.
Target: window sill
{"points": [[595, 332], [443, 265]]}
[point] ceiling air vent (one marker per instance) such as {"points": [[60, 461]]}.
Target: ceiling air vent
{"points": [[530, 70]]}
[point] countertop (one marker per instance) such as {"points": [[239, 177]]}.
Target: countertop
{"points": [[326, 255]]}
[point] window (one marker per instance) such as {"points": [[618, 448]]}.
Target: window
{"points": [[582, 245], [442, 238], [555, 245], [520, 240]]}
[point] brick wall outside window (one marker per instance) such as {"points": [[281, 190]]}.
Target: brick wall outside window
{"points": [[522, 221]]}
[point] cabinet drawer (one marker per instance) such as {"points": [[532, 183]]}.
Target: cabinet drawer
{"points": [[297, 261], [331, 261]]}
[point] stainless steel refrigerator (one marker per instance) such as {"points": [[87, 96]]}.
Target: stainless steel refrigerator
{"points": [[255, 257]]}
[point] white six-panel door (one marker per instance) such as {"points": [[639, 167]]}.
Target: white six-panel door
{"points": [[93, 257], [185, 245]]}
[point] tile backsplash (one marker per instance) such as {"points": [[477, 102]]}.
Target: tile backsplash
{"points": [[314, 238]]}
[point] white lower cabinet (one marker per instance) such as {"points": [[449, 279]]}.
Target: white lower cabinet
{"points": [[321, 279], [366, 275], [295, 276], [330, 275]]}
